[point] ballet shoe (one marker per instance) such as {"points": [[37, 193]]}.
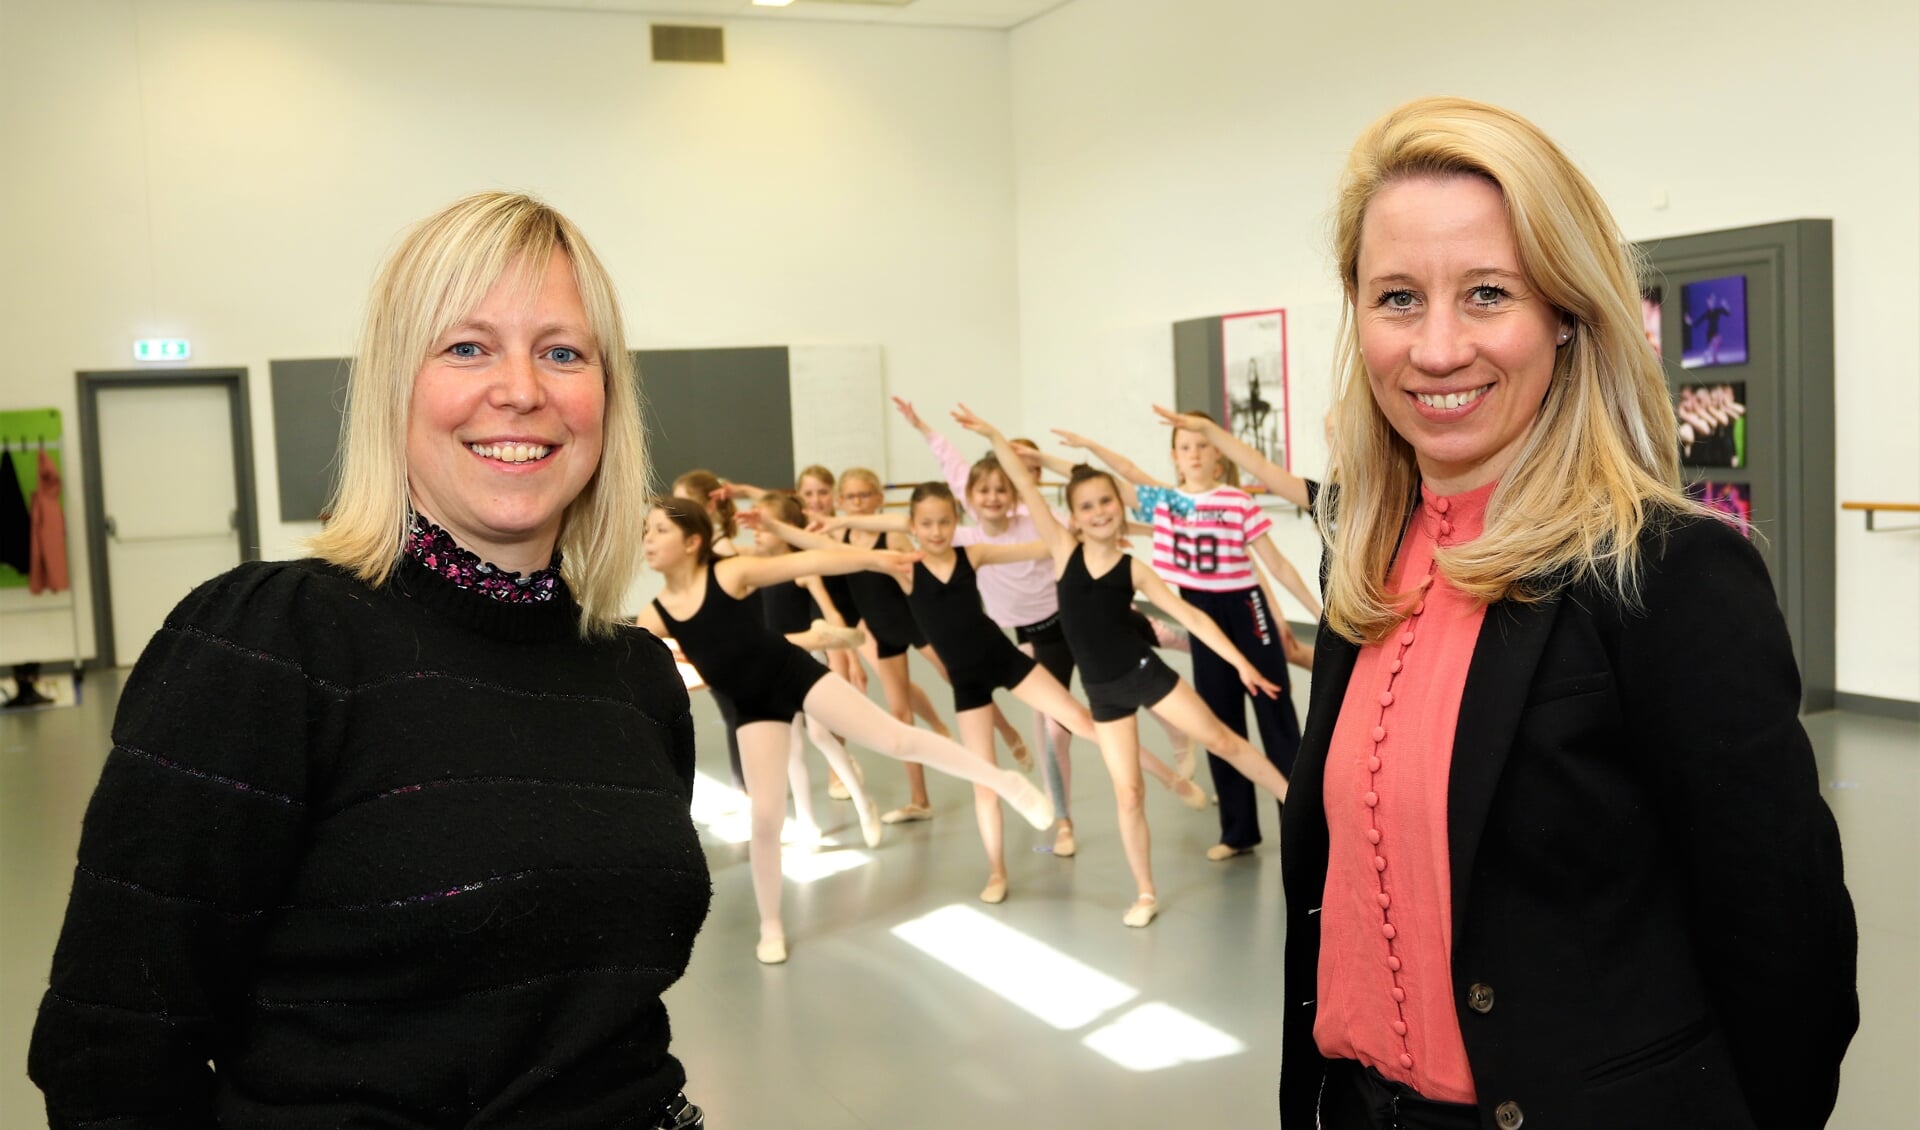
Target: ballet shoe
{"points": [[837, 789], [771, 951], [805, 837], [907, 814], [1190, 794], [1021, 756], [1144, 910], [1185, 760], [832, 637], [1033, 805], [870, 828], [1219, 852], [1063, 845], [995, 892]]}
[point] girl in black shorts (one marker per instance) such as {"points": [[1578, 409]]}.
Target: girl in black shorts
{"points": [[890, 632], [979, 657], [1117, 664], [704, 607], [801, 609], [705, 489]]}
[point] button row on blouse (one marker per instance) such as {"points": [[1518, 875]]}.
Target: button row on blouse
{"points": [[1372, 800]]}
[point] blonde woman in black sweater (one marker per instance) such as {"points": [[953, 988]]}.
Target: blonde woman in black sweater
{"points": [[398, 835]]}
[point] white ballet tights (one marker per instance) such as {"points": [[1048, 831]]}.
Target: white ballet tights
{"points": [[846, 711]]}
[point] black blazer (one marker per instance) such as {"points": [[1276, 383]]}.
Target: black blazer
{"points": [[1649, 921]]}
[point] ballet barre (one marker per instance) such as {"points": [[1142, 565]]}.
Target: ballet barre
{"points": [[1872, 508]]}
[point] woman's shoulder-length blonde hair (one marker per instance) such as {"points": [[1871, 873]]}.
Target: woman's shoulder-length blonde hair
{"points": [[441, 270], [1601, 462]]}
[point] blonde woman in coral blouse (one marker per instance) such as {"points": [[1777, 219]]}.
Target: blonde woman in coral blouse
{"points": [[1533, 875]]}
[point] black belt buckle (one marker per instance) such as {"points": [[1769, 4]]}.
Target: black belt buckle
{"points": [[679, 1114]]}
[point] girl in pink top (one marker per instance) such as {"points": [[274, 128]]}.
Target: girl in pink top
{"points": [[1018, 595]]}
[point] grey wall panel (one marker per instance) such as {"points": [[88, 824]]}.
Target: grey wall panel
{"points": [[308, 398], [1788, 375], [1197, 361], [727, 410]]}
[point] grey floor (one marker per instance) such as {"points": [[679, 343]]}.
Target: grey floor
{"points": [[1173, 1025]]}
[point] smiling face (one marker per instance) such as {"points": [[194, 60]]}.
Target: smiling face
{"points": [[932, 523], [1096, 509], [504, 421], [990, 496], [1459, 348], [816, 495]]}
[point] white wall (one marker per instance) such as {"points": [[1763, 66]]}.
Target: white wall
{"points": [[232, 173], [1178, 160]]}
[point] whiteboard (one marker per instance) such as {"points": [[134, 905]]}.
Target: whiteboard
{"points": [[839, 407]]}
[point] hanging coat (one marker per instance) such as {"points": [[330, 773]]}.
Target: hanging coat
{"points": [[15, 530], [49, 548]]}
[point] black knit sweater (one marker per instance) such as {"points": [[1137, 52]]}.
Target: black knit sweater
{"points": [[407, 857]]}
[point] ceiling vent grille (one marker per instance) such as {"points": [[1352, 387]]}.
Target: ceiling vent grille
{"points": [[679, 43]]}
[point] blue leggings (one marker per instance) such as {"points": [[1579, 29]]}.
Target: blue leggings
{"points": [[1249, 623]]}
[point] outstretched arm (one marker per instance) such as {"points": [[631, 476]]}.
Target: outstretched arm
{"points": [[1129, 473], [1276, 478], [1201, 625], [1127, 469], [1000, 553], [1058, 464], [1284, 572], [792, 535], [1057, 538], [875, 523], [953, 467], [741, 575]]}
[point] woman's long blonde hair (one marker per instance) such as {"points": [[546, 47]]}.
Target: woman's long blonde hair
{"points": [[442, 269], [1602, 459]]}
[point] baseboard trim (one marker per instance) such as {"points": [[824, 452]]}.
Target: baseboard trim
{"points": [[1904, 709]]}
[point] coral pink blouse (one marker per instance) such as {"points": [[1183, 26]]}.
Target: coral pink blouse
{"points": [[1386, 935]]}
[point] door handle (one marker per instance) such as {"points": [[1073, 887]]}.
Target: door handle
{"points": [[113, 531]]}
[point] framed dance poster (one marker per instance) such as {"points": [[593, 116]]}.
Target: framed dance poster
{"points": [[1714, 315], [1253, 356]]}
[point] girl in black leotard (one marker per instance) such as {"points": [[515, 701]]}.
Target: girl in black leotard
{"points": [[698, 487], [1097, 581], [814, 488], [704, 489], [770, 680], [887, 641], [944, 595], [799, 609]]}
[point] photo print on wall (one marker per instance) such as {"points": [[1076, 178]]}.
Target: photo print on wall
{"points": [[1714, 316], [1734, 501], [1713, 424], [1253, 352]]}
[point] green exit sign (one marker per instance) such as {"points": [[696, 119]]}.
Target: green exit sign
{"points": [[162, 349]]}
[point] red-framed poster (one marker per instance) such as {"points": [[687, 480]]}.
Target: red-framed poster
{"points": [[1253, 360]]}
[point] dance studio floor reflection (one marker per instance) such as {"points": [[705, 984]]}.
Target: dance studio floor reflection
{"points": [[908, 1005]]}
